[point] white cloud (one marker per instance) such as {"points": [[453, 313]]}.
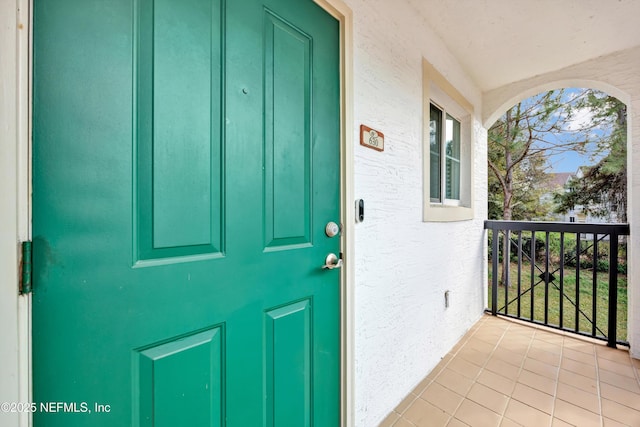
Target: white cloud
{"points": [[581, 118]]}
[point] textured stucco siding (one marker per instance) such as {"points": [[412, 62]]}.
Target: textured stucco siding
{"points": [[617, 74], [404, 265]]}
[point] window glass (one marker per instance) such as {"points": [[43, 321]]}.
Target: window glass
{"points": [[435, 144], [452, 158]]}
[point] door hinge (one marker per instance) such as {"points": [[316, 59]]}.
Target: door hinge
{"points": [[26, 269]]}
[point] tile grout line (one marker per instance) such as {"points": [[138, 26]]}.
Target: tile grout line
{"points": [[557, 379], [636, 370], [595, 355], [555, 390], [509, 397]]}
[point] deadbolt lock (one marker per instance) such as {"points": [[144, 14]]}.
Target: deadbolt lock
{"points": [[332, 229]]}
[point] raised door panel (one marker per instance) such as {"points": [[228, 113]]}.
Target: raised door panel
{"points": [[179, 138], [288, 365], [180, 381], [287, 134]]}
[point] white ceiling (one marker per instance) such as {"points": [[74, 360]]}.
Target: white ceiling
{"points": [[503, 41]]}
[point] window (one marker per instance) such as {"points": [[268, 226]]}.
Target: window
{"points": [[444, 150], [448, 159]]}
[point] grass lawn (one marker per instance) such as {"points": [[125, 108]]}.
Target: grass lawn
{"points": [[584, 299]]}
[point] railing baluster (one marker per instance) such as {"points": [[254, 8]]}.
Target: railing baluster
{"points": [[494, 264], [546, 279], [506, 256], [519, 269], [594, 297], [561, 302], [532, 290], [612, 330], [577, 282]]}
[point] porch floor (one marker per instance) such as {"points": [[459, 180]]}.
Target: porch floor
{"points": [[505, 373]]}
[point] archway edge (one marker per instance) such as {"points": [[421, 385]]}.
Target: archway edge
{"points": [[497, 101]]}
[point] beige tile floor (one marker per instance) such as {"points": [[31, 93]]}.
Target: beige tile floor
{"points": [[505, 373]]}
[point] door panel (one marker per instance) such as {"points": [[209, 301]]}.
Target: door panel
{"points": [[167, 393], [288, 392], [186, 161], [179, 112], [287, 72]]}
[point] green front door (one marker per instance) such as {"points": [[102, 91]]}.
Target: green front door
{"points": [[185, 164]]}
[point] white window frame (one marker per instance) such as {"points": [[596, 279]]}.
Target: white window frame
{"points": [[438, 91]]}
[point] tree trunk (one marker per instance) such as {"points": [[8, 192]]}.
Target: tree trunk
{"points": [[507, 211], [505, 249]]}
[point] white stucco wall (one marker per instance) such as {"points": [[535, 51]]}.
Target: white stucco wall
{"points": [[618, 75], [404, 265]]}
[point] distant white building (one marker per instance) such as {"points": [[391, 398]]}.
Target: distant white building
{"points": [[555, 184], [560, 182]]}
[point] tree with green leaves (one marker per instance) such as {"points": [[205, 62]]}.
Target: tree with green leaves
{"points": [[519, 144], [602, 189]]}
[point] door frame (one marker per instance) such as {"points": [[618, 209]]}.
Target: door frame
{"points": [[339, 10], [15, 200], [15, 204]]}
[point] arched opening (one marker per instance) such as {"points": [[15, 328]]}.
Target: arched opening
{"points": [[568, 276], [497, 102]]}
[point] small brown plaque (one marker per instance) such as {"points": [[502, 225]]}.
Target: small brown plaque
{"points": [[371, 138]]}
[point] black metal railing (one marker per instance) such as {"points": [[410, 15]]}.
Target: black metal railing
{"points": [[562, 275]]}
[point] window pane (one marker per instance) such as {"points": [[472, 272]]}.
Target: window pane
{"points": [[452, 158], [435, 144], [453, 179]]}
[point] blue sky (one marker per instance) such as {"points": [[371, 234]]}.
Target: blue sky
{"points": [[569, 161]]}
